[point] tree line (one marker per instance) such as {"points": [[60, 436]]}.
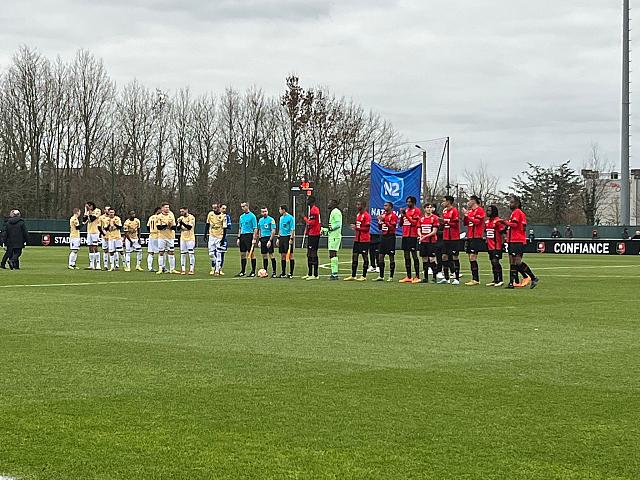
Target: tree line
{"points": [[69, 134]]}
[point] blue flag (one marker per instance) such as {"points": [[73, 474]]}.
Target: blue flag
{"points": [[391, 186]]}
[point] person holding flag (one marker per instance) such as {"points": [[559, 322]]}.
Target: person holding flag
{"points": [[388, 223]]}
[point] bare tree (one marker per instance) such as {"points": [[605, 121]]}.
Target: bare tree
{"points": [[483, 183], [595, 187]]}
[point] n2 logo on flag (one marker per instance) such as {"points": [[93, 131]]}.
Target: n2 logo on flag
{"points": [[392, 189]]}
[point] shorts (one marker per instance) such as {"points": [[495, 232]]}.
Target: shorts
{"points": [[93, 239], [387, 245], [152, 245], [474, 245], [264, 249], [114, 244], [361, 247], [214, 246], [375, 239], [334, 243], [314, 242], [516, 249], [428, 250], [497, 254], [132, 245], [104, 243], [187, 246], [409, 244], [224, 243], [74, 243], [246, 242], [451, 248], [283, 243], [166, 244]]}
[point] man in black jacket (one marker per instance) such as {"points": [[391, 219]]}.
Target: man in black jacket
{"points": [[15, 238]]}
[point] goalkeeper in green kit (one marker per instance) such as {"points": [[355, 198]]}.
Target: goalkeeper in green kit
{"points": [[334, 234]]}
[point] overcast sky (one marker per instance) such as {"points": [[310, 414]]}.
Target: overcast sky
{"points": [[511, 81]]}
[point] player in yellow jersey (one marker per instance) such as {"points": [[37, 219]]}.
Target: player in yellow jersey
{"points": [[74, 238], [114, 239], [103, 223], [131, 232], [152, 242], [166, 225], [216, 225], [187, 229], [92, 219]]}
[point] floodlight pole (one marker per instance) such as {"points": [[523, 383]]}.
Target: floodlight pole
{"points": [[625, 194], [448, 147]]}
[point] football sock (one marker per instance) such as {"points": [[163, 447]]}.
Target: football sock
{"points": [[243, 263], [425, 269], [316, 264], [292, 264], [365, 265], [445, 268], [434, 270], [253, 265], [149, 261], [524, 268], [416, 263], [283, 265], [354, 265], [392, 265], [172, 262], [183, 261], [456, 269], [475, 273], [513, 274], [138, 257], [265, 263], [381, 266], [222, 259], [192, 261], [334, 266], [273, 265], [310, 265]]}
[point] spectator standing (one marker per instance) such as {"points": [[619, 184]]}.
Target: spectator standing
{"points": [[15, 238], [568, 232]]}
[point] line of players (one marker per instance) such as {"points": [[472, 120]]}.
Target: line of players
{"points": [[435, 239]]}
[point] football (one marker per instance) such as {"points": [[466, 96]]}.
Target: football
{"points": [[262, 273]]}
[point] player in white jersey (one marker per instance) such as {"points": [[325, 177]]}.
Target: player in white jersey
{"points": [[74, 238]]}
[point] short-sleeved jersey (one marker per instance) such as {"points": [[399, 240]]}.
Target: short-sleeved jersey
{"points": [[266, 225], [492, 228], [104, 221], [451, 221], [389, 223], [287, 225], [335, 224], [517, 227], [363, 227], [187, 234], [132, 228], [74, 227], [168, 220], [410, 222], [313, 222], [153, 230], [248, 223], [92, 226], [428, 224], [112, 228], [475, 222], [217, 223]]}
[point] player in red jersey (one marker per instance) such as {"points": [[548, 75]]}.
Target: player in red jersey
{"points": [[388, 223], [428, 242], [313, 231], [451, 241], [517, 238], [362, 242], [410, 220], [493, 226], [474, 219]]}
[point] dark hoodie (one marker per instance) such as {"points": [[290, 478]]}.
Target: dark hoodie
{"points": [[15, 233]]}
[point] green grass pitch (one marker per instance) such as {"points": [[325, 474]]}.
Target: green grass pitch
{"points": [[137, 376]]}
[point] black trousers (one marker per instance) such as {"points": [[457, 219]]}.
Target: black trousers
{"points": [[14, 259], [6, 257]]}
